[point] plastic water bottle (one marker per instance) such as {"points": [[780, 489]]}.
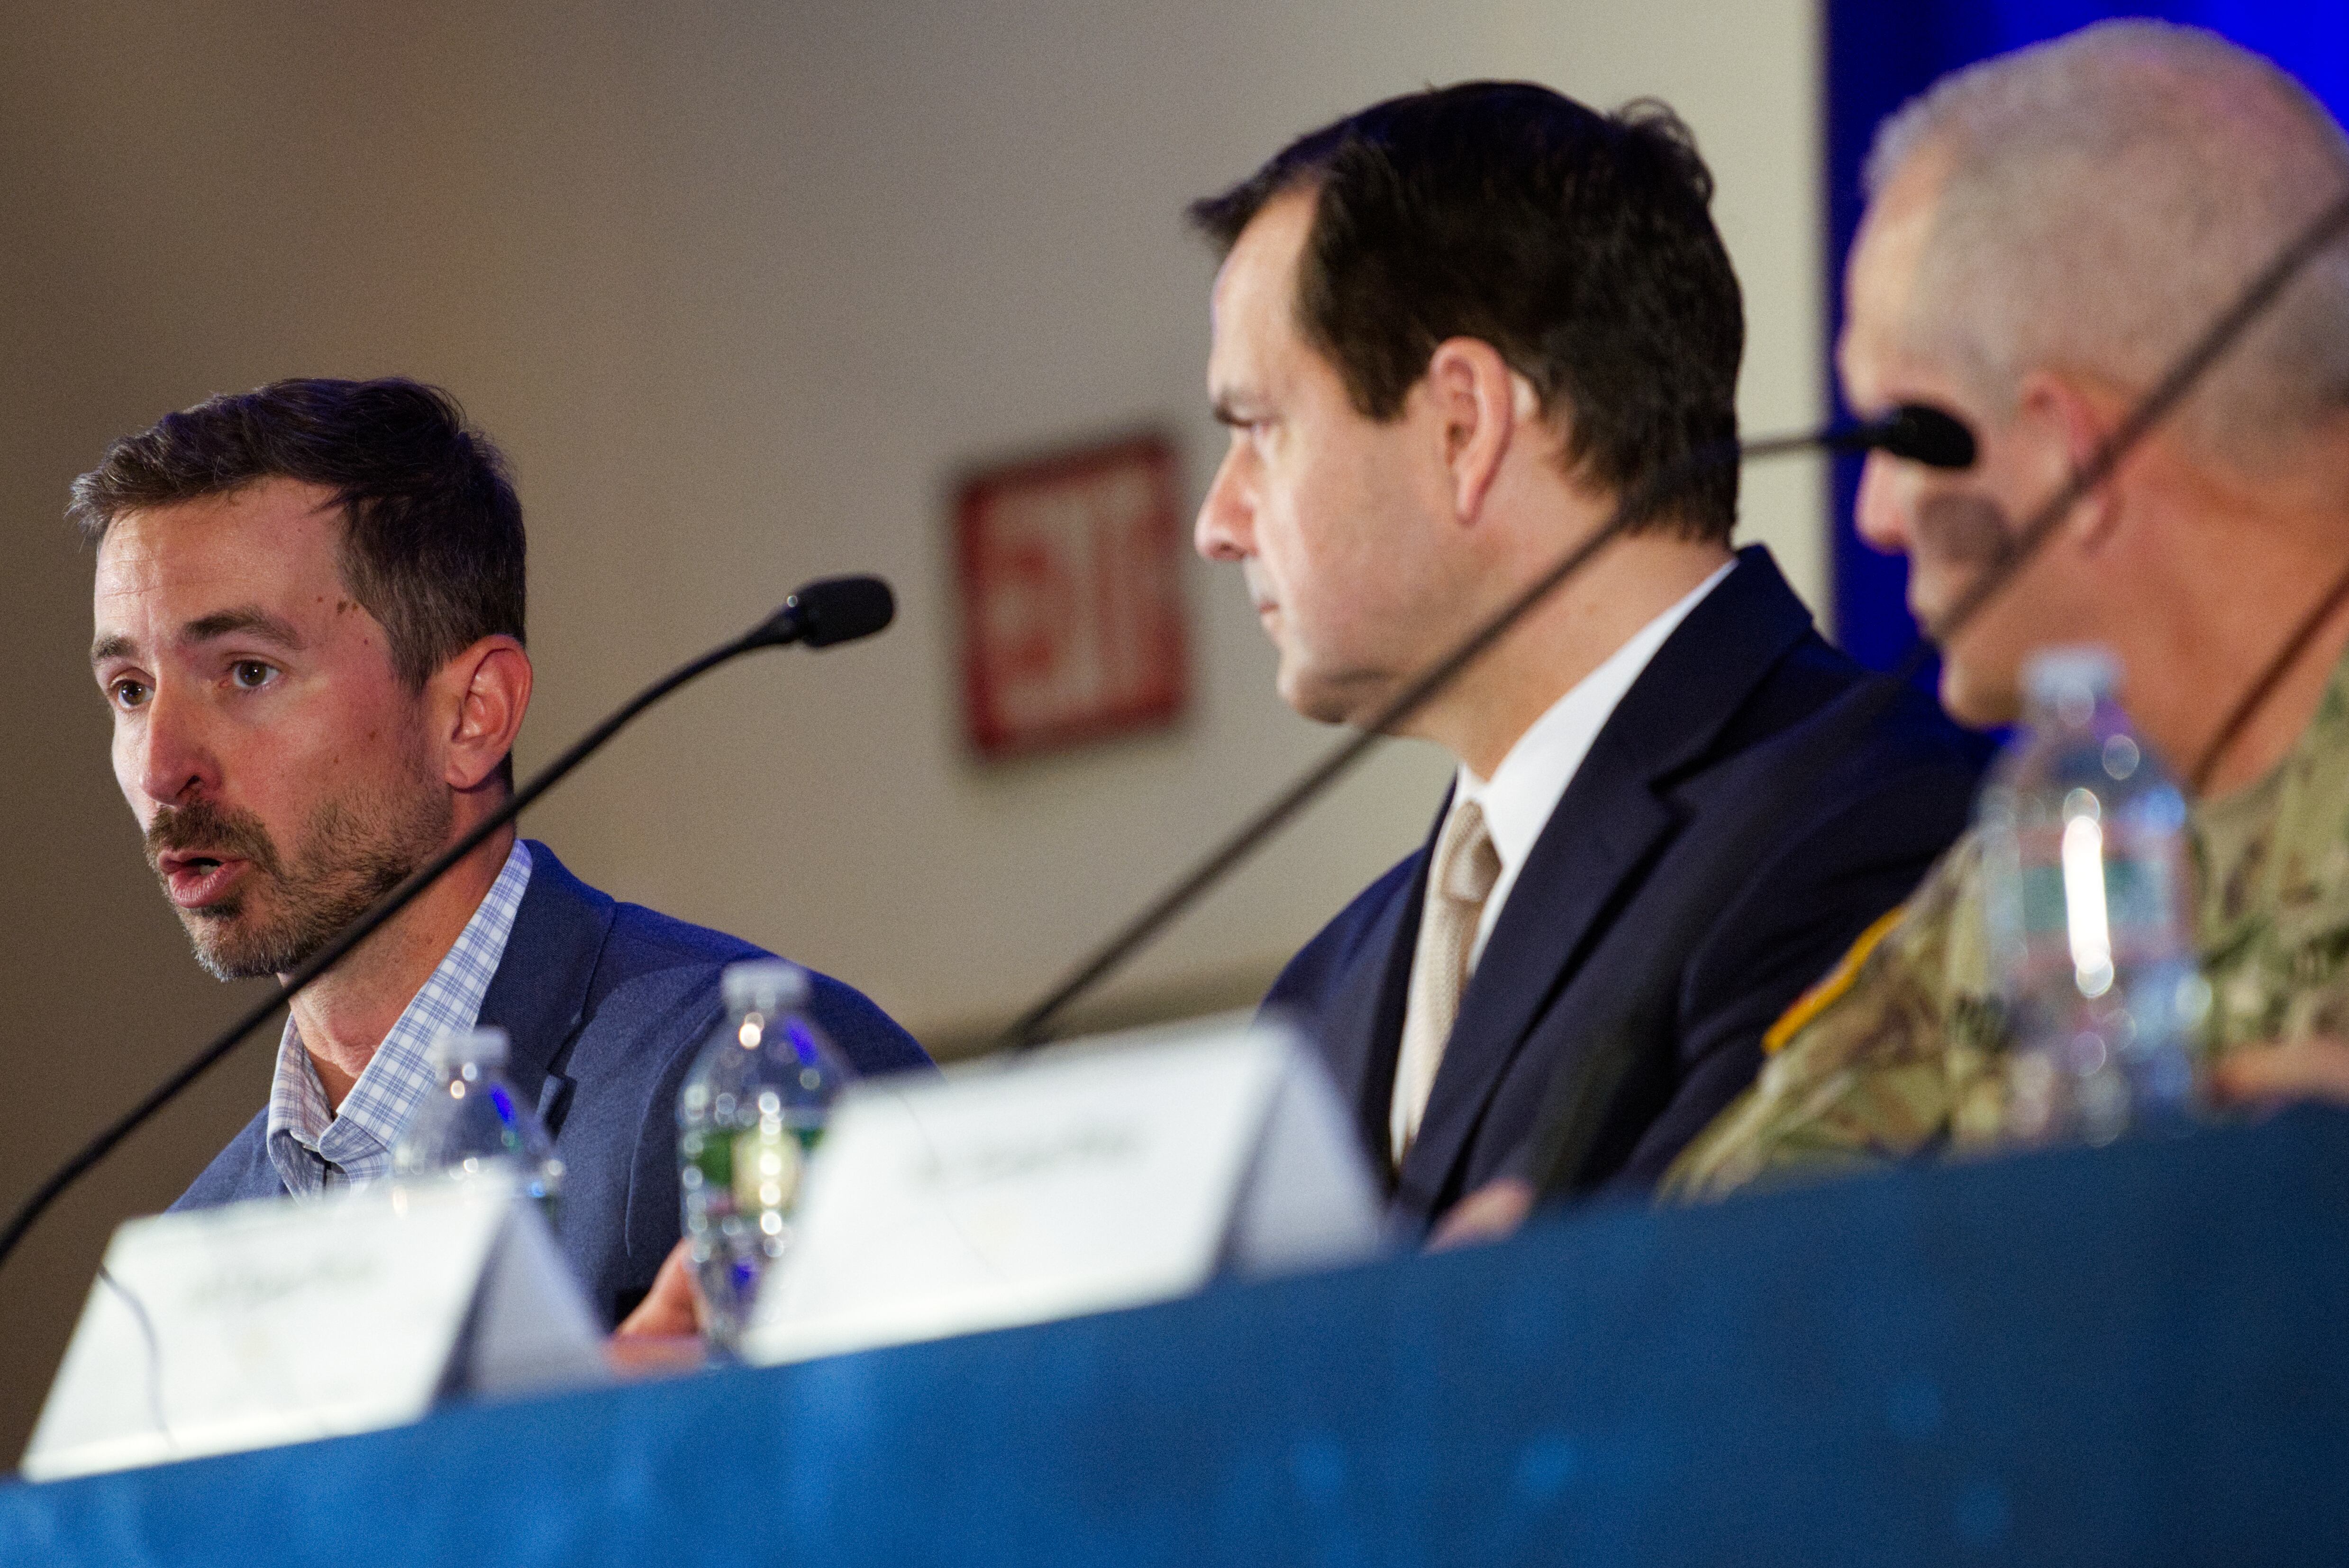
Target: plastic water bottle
{"points": [[2083, 841], [475, 1123], [750, 1113]]}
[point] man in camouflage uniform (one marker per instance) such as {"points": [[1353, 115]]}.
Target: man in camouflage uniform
{"points": [[1900, 1051], [2044, 231]]}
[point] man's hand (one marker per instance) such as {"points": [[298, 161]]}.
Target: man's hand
{"points": [[664, 1334], [2279, 1075], [1491, 1212]]}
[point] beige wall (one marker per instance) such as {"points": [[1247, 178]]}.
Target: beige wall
{"points": [[738, 288]]}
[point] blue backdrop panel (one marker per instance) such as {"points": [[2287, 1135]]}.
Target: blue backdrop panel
{"points": [[2128, 1356], [1881, 53]]}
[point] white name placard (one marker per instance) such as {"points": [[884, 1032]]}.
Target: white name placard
{"points": [[1101, 1174], [280, 1321]]}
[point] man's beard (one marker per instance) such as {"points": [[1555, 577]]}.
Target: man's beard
{"points": [[1968, 534], [353, 853]]}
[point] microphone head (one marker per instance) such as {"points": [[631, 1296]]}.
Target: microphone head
{"points": [[830, 610], [1923, 434]]}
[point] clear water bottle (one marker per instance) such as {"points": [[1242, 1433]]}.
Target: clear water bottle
{"points": [[475, 1123], [2086, 883], [751, 1114]]}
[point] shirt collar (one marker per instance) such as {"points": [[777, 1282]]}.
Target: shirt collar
{"points": [[1524, 790], [315, 1147]]}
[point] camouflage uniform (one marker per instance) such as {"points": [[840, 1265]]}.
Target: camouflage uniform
{"points": [[1901, 1049]]}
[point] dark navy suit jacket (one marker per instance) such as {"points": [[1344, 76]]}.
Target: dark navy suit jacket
{"points": [[606, 1004], [1702, 739]]}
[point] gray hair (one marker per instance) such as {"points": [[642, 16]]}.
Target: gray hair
{"points": [[2103, 197]]}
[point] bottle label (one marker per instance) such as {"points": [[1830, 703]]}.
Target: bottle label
{"points": [[2122, 917], [767, 1165], [710, 1155]]}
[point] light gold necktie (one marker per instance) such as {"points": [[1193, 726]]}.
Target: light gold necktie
{"points": [[1458, 883]]}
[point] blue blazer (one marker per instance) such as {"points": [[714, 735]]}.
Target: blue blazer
{"points": [[606, 1004], [1720, 714]]}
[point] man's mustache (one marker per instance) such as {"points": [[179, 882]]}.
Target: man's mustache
{"points": [[203, 828], [1964, 530]]}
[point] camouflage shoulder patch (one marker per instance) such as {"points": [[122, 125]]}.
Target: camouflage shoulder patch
{"points": [[1832, 984]]}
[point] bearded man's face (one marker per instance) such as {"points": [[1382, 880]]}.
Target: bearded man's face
{"points": [[280, 769]]}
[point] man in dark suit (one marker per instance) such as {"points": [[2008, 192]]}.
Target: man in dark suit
{"points": [[1451, 333], [309, 613]]}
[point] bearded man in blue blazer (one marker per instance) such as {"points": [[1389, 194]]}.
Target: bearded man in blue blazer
{"points": [[1450, 334], [309, 615]]}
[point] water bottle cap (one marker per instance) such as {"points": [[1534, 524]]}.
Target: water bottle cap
{"points": [[764, 985], [489, 1047], [2054, 674]]}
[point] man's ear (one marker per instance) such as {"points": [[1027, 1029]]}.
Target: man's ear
{"points": [[2066, 421], [1480, 407], [485, 690]]}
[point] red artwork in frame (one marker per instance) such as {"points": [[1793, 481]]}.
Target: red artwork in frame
{"points": [[1071, 579]]}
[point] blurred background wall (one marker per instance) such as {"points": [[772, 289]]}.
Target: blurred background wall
{"points": [[740, 288]]}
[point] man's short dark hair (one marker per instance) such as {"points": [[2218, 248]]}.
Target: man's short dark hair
{"points": [[432, 536], [1578, 245]]}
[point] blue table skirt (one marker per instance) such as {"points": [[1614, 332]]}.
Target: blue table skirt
{"points": [[2130, 1356]]}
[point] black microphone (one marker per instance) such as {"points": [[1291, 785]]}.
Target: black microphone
{"points": [[1917, 432], [1913, 431], [828, 610], [822, 613]]}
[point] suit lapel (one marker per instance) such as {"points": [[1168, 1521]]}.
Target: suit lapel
{"points": [[1362, 1027], [1612, 822], [1606, 827], [539, 995]]}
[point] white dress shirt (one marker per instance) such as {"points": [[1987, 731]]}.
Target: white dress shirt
{"points": [[1525, 788]]}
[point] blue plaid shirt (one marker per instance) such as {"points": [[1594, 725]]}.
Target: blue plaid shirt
{"points": [[315, 1148]]}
